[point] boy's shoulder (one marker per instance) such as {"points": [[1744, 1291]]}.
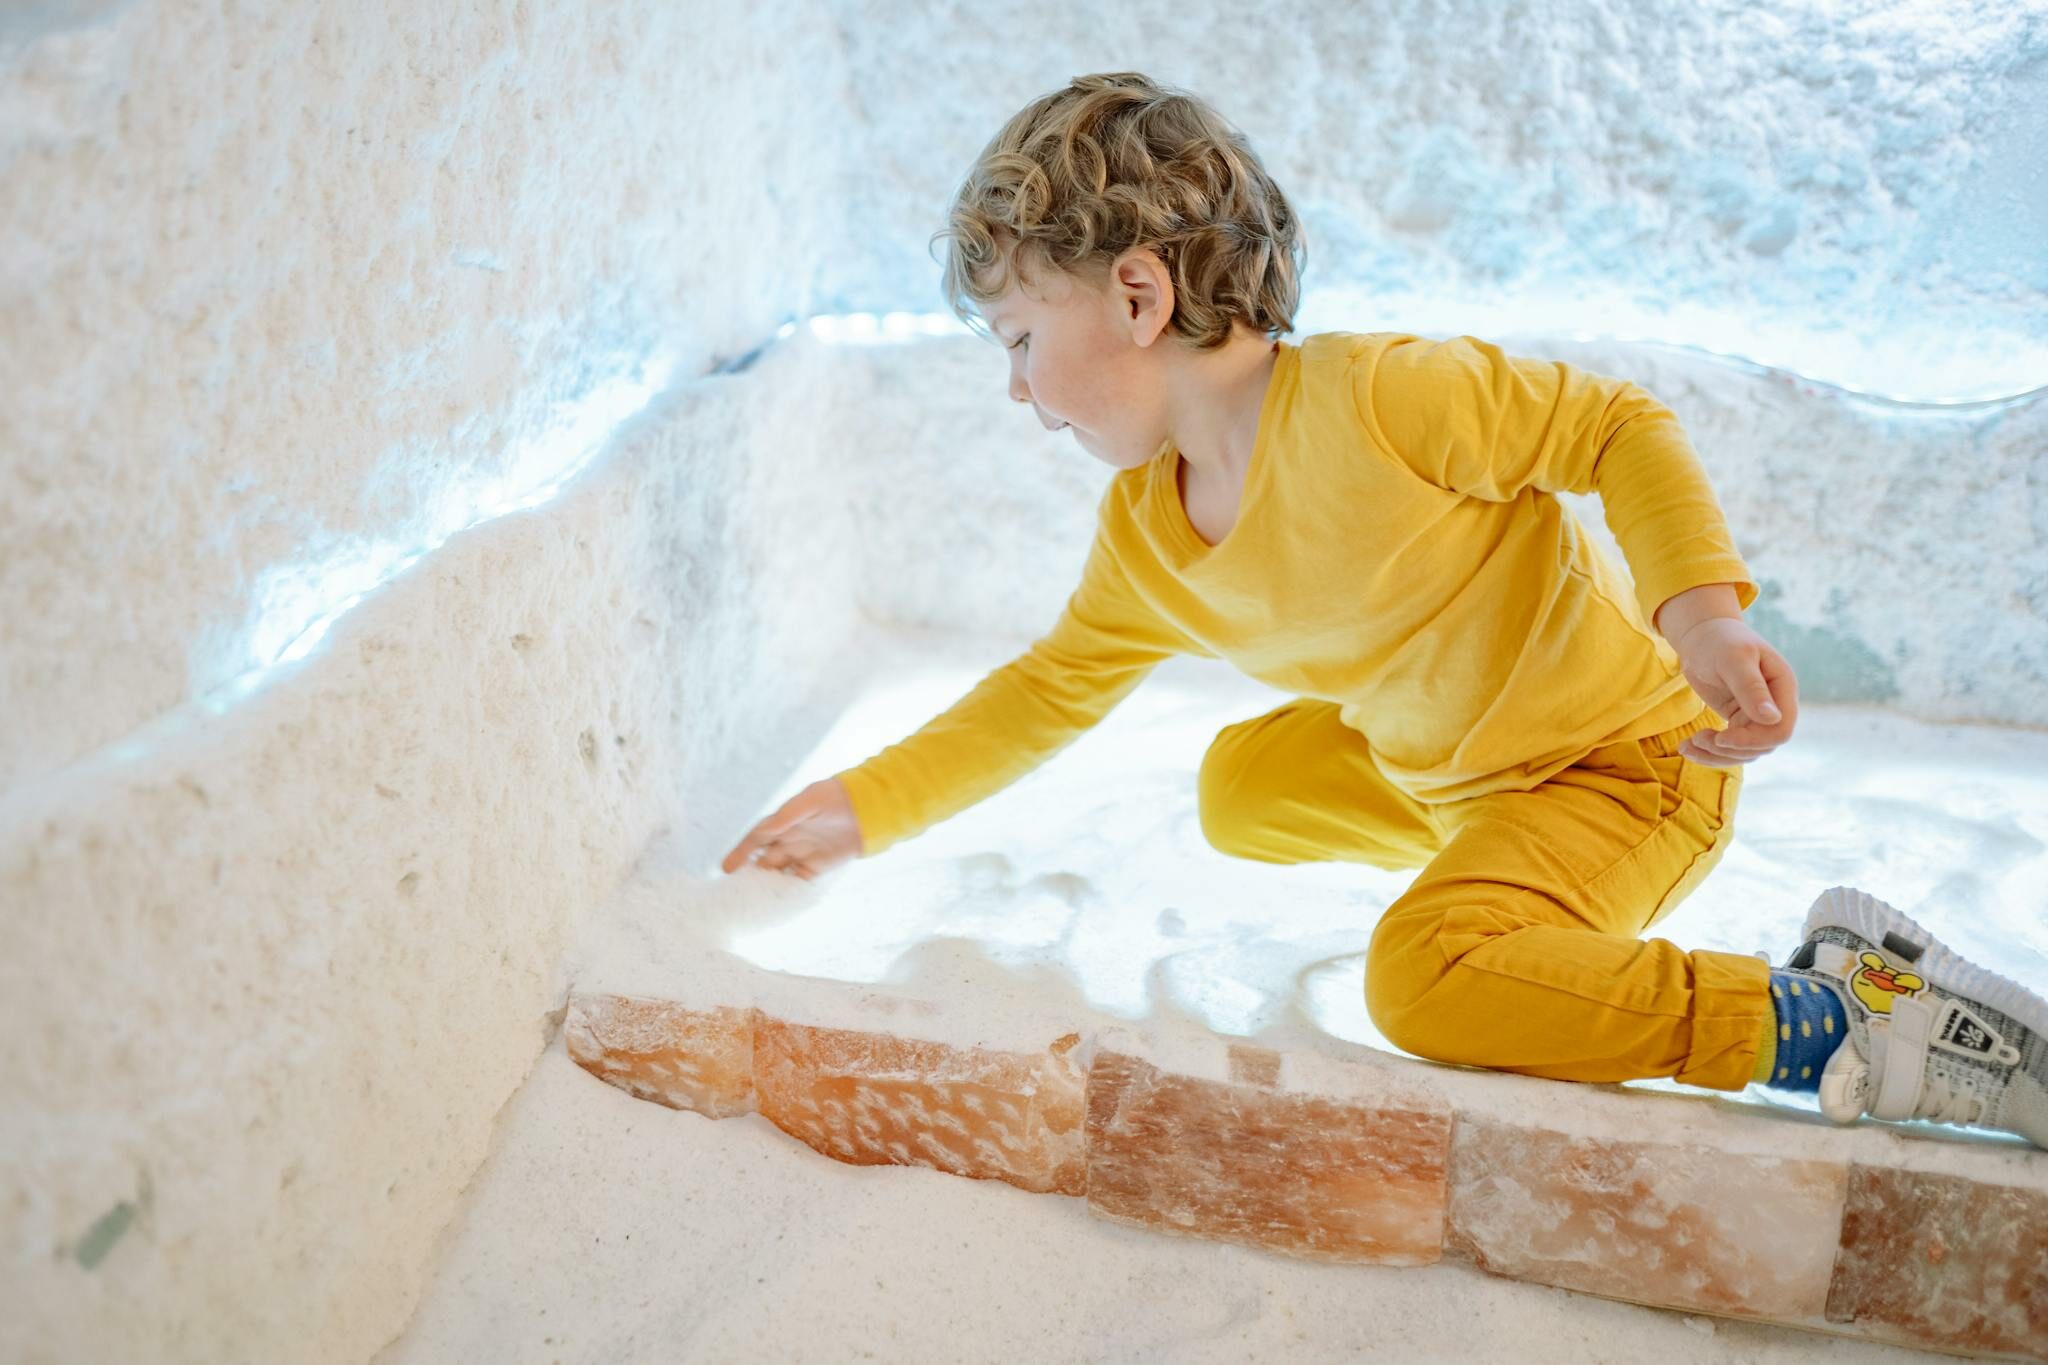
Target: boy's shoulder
{"points": [[1330, 346], [1393, 362], [1332, 361], [1345, 347]]}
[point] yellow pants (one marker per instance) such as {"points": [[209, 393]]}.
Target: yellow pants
{"points": [[1516, 947]]}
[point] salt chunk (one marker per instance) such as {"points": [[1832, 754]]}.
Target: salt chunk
{"points": [[1669, 1224], [877, 1099], [700, 1060], [1950, 1262], [1329, 1179]]}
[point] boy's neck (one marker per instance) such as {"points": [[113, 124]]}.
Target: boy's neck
{"points": [[1217, 401]]}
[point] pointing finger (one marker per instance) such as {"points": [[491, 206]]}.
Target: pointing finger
{"points": [[750, 849]]}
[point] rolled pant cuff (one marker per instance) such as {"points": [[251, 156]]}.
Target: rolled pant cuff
{"points": [[1731, 999]]}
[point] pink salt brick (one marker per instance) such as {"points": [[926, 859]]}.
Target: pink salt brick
{"points": [[701, 1060], [1311, 1176], [1945, 1261], [1658, 1223], [877, 1099]]}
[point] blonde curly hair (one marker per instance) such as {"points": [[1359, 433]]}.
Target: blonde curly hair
{"points": [[1115, 161]]}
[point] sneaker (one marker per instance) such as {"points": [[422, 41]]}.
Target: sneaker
{"points": [[1931, 1036]]}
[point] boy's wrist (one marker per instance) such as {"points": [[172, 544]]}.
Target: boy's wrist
{"points": [[1707, 602]]}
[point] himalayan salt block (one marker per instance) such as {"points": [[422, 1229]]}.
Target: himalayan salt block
{"points": [[1308, 1175], [1669, 1224], [701, 1060], [1947, 1261], [876, 1099]]}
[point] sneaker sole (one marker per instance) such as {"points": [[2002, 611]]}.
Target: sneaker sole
{"points": [[1871, 919]]}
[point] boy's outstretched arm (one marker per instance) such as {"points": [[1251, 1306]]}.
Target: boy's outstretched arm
{"points": [[1102, 646]]}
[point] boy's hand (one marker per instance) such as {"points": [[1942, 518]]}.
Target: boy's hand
{"points": [[1745, 681], [812, 833]]}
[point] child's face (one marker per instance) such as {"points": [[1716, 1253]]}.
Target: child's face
{"points": [[1089, 358]]}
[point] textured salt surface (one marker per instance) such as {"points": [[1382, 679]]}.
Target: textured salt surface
{"points": [[607, 1228]]}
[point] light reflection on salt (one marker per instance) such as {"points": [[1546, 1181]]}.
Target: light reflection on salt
{"points": [[1948, 823]]}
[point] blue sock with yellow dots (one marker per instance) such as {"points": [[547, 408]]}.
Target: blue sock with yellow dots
{"points": [[1810, 1021]]}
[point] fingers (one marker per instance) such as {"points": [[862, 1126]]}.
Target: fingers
{"points": [[1758, 721], [1784, 684], [1767, 695], [1711, 748], [778, 860], [763, 835], [765, 851], [1755, 687], [771, 858], [1756, 695], [1700, 753], [746, 850], [1745, 735]]}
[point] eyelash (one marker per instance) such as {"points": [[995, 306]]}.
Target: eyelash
{"points": [[1021, 340]]}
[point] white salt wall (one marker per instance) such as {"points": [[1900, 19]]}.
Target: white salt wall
{"points": [[297, 284], [1854, 184], [291, 295], [288, 295], [267, 990]]}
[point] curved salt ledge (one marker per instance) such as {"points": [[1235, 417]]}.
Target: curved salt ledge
{"points": [[1106, 1009]]}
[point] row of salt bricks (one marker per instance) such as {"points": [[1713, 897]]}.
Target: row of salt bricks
{"points": [[1921, 1258]]}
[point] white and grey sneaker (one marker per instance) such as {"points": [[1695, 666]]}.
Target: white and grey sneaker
{"points": [[1931, 1036]]}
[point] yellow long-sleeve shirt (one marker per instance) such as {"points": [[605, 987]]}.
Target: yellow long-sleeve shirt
{"points": [[1398, 551]]}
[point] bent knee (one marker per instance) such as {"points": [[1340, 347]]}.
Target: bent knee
{"points": [[1402, 1016], [1403, 962], [1413, 949], [1229, 800]]}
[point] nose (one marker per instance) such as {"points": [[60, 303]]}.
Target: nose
{"points": [[1023, 395]]}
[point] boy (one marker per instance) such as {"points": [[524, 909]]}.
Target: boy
{"points": [[1368, 521]]}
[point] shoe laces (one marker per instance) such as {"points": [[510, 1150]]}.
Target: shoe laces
{"points": [[1946, 1103]]}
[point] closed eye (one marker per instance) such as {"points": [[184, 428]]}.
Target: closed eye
{"points": [[1020, 341]]}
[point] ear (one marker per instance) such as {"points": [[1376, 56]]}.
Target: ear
{"points": [[1142, 290]]}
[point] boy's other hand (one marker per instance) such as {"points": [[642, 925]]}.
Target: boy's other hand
{"points": [[812, 833], [1747, 682]]}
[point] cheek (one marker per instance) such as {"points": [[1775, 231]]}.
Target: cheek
{"points": [[1046, 374], [1049, 387], [1070, 388]]}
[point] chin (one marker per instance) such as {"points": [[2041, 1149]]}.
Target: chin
{"points": [[1121, 461], [1117, 458]]}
